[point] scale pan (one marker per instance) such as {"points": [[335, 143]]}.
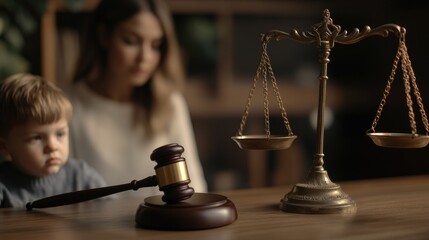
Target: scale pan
{"points": [[262, 142], [399, 140]]}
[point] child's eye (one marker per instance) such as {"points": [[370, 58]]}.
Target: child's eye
{"points": [[61, 134], [35, 138]]}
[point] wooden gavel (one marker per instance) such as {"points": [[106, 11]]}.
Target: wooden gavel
{"points": [[171, 176]]}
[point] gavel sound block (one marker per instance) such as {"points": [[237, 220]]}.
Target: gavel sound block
{"points": [[188, 210], [178, 209]]}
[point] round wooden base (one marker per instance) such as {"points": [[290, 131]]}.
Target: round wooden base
{"points": [[201, 211]]}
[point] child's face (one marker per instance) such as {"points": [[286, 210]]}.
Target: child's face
{"points": [[39, 150]]}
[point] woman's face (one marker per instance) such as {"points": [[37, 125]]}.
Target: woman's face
{"points": [[133, 50]]}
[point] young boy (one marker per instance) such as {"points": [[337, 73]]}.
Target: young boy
{"points": [[34, 116]]}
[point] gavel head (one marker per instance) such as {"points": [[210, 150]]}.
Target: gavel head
{"points": [[171, 173]]}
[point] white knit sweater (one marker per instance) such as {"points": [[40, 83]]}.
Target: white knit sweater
{"points": [[102, 133]]}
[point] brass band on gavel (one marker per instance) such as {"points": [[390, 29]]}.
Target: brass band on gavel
{"points": [[172, 173]]}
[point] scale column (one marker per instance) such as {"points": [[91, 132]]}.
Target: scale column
{"points": [[318, 194], [323, 78]]}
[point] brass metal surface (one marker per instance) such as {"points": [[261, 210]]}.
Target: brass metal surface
{"points": [[399, 140], [315, 196], [317, 193], [172, 173], [262, 142], [269, 141]]}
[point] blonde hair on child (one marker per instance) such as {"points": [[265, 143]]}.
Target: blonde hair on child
{"points": [[25, 97]]}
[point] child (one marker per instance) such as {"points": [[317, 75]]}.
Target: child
{"points": [[34, 142]]}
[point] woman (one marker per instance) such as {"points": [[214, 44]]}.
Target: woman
{"points": [[126, 94]]}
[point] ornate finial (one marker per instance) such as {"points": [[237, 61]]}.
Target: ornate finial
{"points": [[326, 14], [326, 30]]}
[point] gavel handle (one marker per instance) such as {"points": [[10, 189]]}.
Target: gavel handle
{"points": [[85, 195]]}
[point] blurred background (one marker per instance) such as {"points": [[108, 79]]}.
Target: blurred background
{"points": [[221, 46]]}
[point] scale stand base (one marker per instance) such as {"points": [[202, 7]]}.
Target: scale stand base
{"points": [[201, 211], [317, 195]]}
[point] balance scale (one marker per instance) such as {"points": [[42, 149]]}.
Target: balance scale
{"points": [[318, 194]]}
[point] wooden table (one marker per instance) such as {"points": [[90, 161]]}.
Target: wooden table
{"points": [[394, 208]]}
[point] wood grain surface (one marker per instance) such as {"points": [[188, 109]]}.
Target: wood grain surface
{"points": [[391, 208]]}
